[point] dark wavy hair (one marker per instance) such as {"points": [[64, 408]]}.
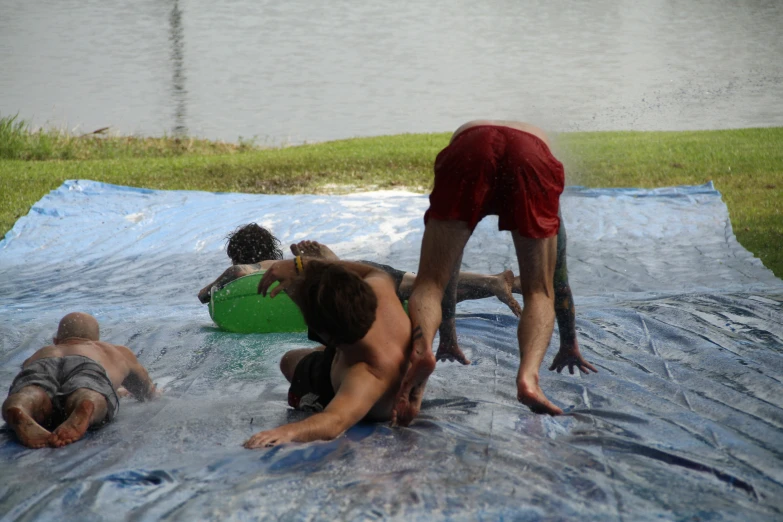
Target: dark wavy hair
{"points": [[336, 301], [252, 243]]}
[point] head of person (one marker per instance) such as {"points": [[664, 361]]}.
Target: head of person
{"points": [[336, 303], [77, 324], [252, 243]]}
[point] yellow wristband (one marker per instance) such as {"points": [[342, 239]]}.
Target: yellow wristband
{"points": [[299, 265]]}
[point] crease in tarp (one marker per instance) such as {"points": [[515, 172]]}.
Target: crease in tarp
{"points": [[683, 420]]}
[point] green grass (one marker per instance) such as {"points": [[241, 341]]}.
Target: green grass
{"points": [[746, 166], [18, 141]]}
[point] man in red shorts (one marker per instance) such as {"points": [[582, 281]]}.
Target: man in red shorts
{"points": [[506, 169]]}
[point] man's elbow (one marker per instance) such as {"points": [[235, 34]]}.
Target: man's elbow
{"points": [[204, 296]]}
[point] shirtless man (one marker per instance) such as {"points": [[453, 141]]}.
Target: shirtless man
{"points": [[355, 310], [77, 376], [503, 168]]}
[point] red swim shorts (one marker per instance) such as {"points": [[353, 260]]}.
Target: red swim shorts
{"points": [[496, 170]]}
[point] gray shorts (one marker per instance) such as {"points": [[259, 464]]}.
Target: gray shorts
{"points": [[61, 376]]}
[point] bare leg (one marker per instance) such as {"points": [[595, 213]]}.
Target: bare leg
{"points": [[313, 249], [85, 408], [478, 286], [25, 411], [536, 268], [441, 250], [292, 358]]}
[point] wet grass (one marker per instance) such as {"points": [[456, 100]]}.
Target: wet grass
{"points": [[746, 166]]}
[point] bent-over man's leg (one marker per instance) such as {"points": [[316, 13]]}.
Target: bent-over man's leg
{"points": [[85, 409], [25, 411], [441, 254], [537, 259]]}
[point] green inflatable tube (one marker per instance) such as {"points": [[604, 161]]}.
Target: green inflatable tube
{"points": [[238, 307]]}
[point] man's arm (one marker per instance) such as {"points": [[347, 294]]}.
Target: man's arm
{"points": [[229, 274], [569, 354], [138, 381], [286, 271], [359, 392]]}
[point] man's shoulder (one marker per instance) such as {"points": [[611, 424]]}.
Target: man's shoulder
{"points": [[382, 284], [114, 349]]}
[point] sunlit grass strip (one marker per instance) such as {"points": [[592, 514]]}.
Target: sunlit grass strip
{"points": [[746, 166]]}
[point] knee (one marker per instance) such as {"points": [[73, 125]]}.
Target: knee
{"points": [[288, 365], [538, 291]]}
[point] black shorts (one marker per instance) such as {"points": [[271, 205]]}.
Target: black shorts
{"points": [[397, 275], [311, 388]]}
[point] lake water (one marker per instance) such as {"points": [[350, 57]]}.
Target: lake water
{"points": [[303, 71]]}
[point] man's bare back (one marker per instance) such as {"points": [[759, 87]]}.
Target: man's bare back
{"points": [[524, 127], [115, 359]]}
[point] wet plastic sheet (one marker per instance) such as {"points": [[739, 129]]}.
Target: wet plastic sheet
{"points": [[682, 422]]}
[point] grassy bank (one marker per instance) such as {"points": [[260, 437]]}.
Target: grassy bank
{"points": [[746, 166]]}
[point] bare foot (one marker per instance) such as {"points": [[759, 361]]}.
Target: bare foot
{"points": [[448, 349], [74, 427], [29, 432], [531, 395], [313, 249], [408, 402], [502, 286]]}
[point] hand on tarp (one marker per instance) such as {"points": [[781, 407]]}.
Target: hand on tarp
{"points": [[283, 272], [154, 393], [270, 438], [569, 355]]}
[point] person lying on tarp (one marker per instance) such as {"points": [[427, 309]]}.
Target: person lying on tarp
{"points": [[354, 309], [75, 379], [253, 248]]}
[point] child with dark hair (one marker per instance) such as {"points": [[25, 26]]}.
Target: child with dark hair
{"points": [[251, 244], [355, 310], [251, 248]]}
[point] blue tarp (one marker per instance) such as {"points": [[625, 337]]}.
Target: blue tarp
{"points": [[683, 420]]}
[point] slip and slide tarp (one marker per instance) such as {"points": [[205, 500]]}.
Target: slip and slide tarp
{"points": [[683, 421]]}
